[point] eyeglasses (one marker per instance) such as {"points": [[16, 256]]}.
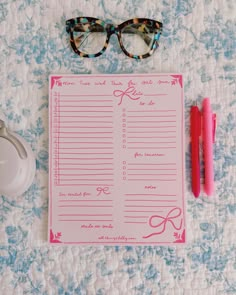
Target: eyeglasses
{"points": [[138, 37]]}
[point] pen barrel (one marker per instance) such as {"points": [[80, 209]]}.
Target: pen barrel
{"points": [[195, 124], [195, 169], [208, 147]]}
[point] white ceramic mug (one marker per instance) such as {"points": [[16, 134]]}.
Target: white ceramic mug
{"points": [[17, 163]]}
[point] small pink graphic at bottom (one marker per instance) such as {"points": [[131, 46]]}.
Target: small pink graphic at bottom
{"points": [[180, 238], [55, 238]]}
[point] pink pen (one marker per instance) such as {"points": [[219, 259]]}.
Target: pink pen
{"points": [[209, 123]]}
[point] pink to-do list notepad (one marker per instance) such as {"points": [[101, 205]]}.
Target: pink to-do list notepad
{"points": [[116, 159]]}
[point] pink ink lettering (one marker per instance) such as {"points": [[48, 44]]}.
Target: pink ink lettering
{"points": [[136, 155], [87, 226], [163, 82], [147, 82], [153, 155], [86, 194], [107, 226], [149, 187], [100, 83], [114, 83], [66, 83], [151, 103], [131, 83], [84, 83]]}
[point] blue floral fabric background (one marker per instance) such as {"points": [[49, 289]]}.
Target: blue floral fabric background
{"points": [[198, 40]]}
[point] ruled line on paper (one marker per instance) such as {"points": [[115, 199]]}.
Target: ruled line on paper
{"points": [[76, 174], [85, 117], [144, 206], [94, 200], [85, 142], [84, 184], [151, 132], [86, 137], [135, 222], [86, 206], [96, 127], [152, 147], [151, 111], [87, 164], [129, 127], [137, 200], [76, 132], [76, 106], [157, 94], [137, 211], [150, 142], [145, 116], [135, 122], [140, 179], [150, 169], [88, 220], [156, 195], [84, 95], [86, 179], [88, 148], [149, 137], [151, 164], [141, 174], [86, 111], [84, 169], [85, 159], [87, 122], [144, 169], [95, 215], [136, 216], [86, 153], [86, 101]]}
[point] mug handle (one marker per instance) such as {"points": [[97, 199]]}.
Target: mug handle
{"points": [[4, 133]]}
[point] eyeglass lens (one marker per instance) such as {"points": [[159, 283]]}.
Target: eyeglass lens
{"points": [[137, 38], [89, 38]]}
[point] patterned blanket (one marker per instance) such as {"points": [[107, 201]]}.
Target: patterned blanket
{"points": [[198, 40]]}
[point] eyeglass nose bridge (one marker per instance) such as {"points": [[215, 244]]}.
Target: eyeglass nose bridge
{"points": [[112, 29]]}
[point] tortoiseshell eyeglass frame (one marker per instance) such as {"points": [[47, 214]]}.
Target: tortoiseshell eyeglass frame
{"points": [[117, 30]]}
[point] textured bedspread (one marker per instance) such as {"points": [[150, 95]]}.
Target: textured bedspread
{"points": [[199, 40]]}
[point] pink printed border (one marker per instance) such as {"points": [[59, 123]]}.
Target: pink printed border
{"points": [[179, 79], [54, 80], [55, 238], [179, 238]]}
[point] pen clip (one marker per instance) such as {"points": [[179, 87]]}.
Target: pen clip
{"points": [[199, 123], [213, 127]]}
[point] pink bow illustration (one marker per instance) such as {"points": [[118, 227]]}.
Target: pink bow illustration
{"points": [[104, 190], [130, 92], [162, 221]]}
